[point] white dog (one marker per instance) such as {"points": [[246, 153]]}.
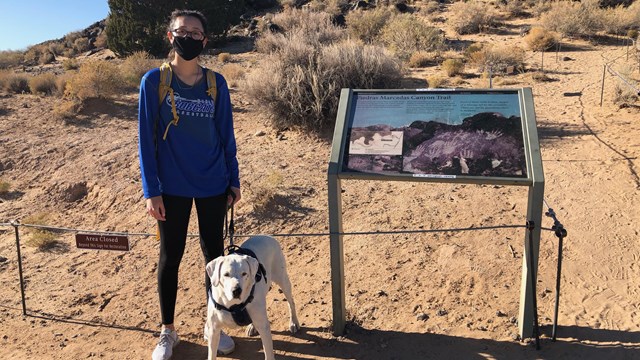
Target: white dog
{"points": [[239, 286]]}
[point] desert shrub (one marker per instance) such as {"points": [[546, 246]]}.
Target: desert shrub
{"points": [[136, 65], [265, 189], [61, 83], [16, 83], [453, 67], [632, 34], [233, 73], [540, 39], [224, 57], [619, 20], [624, 95], [32, 55], [67, 108], [497, 58], [367, 25], [43, 84], [95, 79], [423, 59], [10, 58], [301, 89], [70, 64], [4, 187], [71, 37], [471, 17], [101, 40], [436, 81], [56, 48], [81, 45], [39, 238], [406, 34], [513, 8], [46, 58], [573, 19], [300, 26]]}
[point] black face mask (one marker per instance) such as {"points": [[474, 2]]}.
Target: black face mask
{"points": [[187, 48]]}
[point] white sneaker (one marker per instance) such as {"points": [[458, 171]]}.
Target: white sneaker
{"points": [[164, 349], [226, 345]]}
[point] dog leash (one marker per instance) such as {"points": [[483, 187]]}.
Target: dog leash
{"points": [[228, 221]]}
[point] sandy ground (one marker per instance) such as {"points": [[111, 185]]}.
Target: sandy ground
{"points": [[444, 295]]}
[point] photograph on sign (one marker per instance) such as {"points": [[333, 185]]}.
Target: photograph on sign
{"points": [[436, 133]]}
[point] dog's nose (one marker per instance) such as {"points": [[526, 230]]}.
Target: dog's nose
{"points": [[236, 292]]}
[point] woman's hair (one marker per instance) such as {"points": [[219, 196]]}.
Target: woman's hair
{"points": [[193, 13]]}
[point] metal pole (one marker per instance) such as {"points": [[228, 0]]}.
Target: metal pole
{"points": [[532, 278], [15, 225], [555, 313]]}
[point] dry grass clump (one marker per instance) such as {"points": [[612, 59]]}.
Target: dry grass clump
{"points": [[540, 39], [10, 58], [95, 79], [497, 59], [4, 187], [421, 59], [136, 65], [233, 73], [367, 25], [624, 95], [70, 64], [453, 67], [436, 81], [67, 109], [44, 84], [405, 34], [42, 239], [471, 17], [265, 189], [224, 57], [513, 8]]}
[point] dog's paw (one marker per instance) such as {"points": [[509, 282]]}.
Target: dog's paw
{"points": [[293, 327], [251, 330]]}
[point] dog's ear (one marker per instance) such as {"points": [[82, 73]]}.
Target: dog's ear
{"points": [[213, 270], [253, 266]]}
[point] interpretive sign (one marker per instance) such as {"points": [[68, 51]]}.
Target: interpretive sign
{"points": [[438, 134], [474, 136], [102, 242]]}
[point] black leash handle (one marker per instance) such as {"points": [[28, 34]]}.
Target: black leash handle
{"points": [[229, 225]]}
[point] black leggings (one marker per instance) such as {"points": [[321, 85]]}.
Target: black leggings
{"points": [[173, 237]]}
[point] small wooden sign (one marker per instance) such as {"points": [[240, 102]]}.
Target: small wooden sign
{"points": [[102, 242]]}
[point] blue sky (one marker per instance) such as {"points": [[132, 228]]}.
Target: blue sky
{"points": [[30, 22]]}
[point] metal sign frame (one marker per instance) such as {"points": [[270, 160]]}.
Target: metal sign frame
{"points": [[534, 179]]}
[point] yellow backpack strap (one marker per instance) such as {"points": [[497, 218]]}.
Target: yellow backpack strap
{"points": [[166, 74], [211, 84]]}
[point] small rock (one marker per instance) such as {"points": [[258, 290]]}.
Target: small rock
{"points": [[513, 320], [482, 328], [260, 133], [515, 337], [442, 312], [422, 317], [500, 314], [3, 259]]}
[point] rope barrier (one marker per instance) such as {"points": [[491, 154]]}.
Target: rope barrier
{"points": [[352, 233]]}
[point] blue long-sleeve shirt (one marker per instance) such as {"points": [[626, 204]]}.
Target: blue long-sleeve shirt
{"points": [[198, 157]]}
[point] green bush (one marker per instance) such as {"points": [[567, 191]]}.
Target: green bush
{"points": [[406, 34]]}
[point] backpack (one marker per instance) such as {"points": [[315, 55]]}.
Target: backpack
{"points": [[166, 74]]}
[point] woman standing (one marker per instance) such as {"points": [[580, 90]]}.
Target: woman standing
{"points": [[187, 152]]}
